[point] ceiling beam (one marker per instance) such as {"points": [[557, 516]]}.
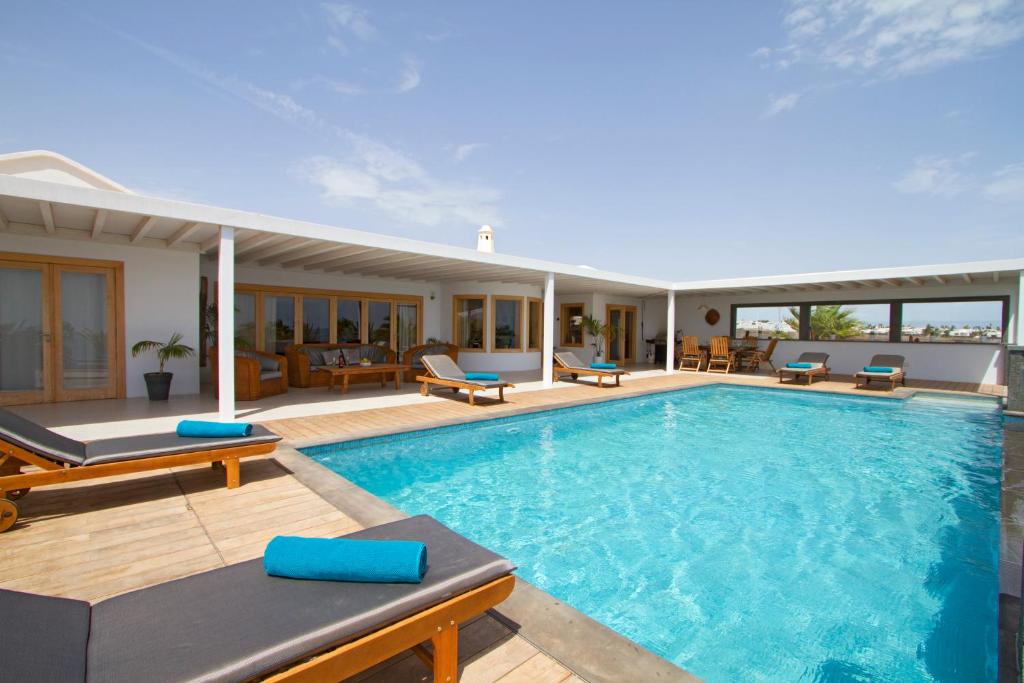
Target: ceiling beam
{"points": [[967, 278], [46, 209], [389, 261], [321, 254], [326, 261], [310, 248], [938, 278], [283, 247], [258, 239], [184, 232], [868, 283], [98, 221], [143, 228], [892, 283], [912, 280], [212, 244], [995, 276]]}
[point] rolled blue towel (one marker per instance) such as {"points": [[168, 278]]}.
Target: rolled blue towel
{"points": [[799, 366], [876, 368], [206, 430], [346, 559], [603, 366], [483, 376]]}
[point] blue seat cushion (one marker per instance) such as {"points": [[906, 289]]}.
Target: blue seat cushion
{"points": [[483, 376], [877, 368], [800, 366]]}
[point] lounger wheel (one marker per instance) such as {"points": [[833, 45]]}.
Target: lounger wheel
{"points": [[455, 390], [8, 514], [574, 375], [17, 494]]}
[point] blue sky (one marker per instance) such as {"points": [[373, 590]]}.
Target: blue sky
{"points": [[677, 140]]}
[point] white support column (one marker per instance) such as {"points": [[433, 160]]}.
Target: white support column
{"points": [[226, 325], [670, 334], [1018, 338], [548, 354]]}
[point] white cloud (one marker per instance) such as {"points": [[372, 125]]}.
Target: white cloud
{"points": [[340, 87], [780, 104], [936, 176], [350, 18], [381, 178], [892, 38], [1007, 184], [410, 77], [462, 152]]}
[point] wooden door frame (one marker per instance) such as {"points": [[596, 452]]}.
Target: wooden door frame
{"points": [[50, 315], [608, 338]]}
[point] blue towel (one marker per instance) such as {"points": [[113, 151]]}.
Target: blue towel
{"points": [[483, 376], [603, 366], [206, 430], [876, 368], [799, 366], [346, 559]]}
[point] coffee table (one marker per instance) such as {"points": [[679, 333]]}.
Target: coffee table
{"points": [[382, 369]]}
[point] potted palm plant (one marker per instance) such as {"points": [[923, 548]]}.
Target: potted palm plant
{"points": [[598, 331], [158, 384]]}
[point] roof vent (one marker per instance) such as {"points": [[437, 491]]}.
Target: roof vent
{"points": [[485, 239]]}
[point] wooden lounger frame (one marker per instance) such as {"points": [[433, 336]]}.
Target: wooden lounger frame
{"points": [[15, 484], [455, 385], [588, 372], [810, 373], [438, 624], [892, 379]]}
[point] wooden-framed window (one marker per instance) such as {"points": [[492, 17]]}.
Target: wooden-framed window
{"points": [[571, 318], [507, 323], [270, 318], [534, 323], [469, 326]]}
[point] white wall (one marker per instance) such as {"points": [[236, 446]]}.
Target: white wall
{"points": [[487, 361], [951, 362], [595, 305], [161, 296]]}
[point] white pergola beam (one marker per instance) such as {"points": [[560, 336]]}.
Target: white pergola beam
{"points": [[548, 333], [995, 276], [869, 283], [182, 233], [98, 221], [259, 239], [226, 324], [319, 253], [286, 256], [4, 223], [328, 261], [143, 228], [364, 261], [670, 335], [967, 278], [46, 211], [913, 280], [265, 251], [892, 283], [938, 278]]}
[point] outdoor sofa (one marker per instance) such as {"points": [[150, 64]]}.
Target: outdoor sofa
{"points": [[236, 623], [566, 363], [818, 367], [442, 371], [304, 361], [257, 374], [895, 374], [60, 460]]}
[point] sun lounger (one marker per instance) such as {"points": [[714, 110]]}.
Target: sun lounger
{"points": [[818, 367], [882, 360], [236, 623], [442, 371], [60, 460], [566, 363]]}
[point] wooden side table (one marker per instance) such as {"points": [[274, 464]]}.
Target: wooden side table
{"points": [[381, 369]]}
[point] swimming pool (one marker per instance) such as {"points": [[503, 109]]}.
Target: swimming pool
{"points": [[742, 533]]}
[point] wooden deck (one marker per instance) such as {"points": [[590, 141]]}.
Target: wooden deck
{"points": [[94, 540]]}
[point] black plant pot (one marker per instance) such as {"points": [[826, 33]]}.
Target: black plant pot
{"points": [[158, 385]]}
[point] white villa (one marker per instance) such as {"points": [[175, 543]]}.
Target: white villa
{"points": [[87, 268]]}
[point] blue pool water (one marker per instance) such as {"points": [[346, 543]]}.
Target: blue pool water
{"points": [[744, 534]]}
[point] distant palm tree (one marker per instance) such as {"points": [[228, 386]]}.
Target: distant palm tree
{"points": [[828, 322]]}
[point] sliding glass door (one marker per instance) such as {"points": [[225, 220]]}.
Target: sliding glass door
{"points": [[24, 333]]}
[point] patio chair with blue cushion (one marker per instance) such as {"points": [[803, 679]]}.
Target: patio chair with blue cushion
{"points": [[236, 623], [810, 364], [442, 371], [886, 368], [566, 363]]}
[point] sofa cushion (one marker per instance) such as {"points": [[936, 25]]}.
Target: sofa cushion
{"points": [[331, 356], [375, 352], [352, 355], [268, 364], [264, 376], [316, 356]]}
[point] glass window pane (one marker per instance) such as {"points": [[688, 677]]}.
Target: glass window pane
{"points": [[245, 321], [348, 321], [316, 322], [767, 322], [83, 310], [572, 325], [21, 329], [952, 322], [379, 322], [850, 322], [536, 319], [507, 324], [406, 335], [469, 323], [278, 322]]}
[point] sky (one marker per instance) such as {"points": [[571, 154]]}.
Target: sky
{"points": [[677, 140]]}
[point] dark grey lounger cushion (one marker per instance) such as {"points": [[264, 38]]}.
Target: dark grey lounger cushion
{"points": [[39, 439], [44, 638], [150, 445], [236, 622]]}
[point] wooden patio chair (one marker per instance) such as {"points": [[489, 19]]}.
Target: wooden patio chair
{"points": [[60, 460], [691, 358], [236, 623], [752, 361], [721, 356], [442, 371]]}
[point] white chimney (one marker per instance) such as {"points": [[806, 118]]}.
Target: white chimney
{"points": [[485, 239]]}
